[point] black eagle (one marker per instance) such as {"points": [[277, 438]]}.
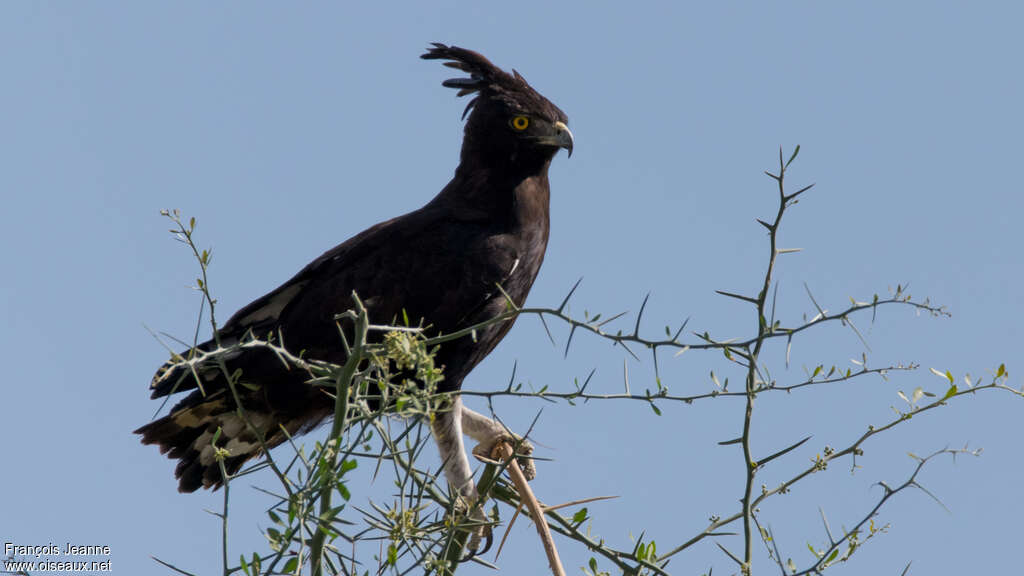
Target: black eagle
{"points": [[444, 264]]}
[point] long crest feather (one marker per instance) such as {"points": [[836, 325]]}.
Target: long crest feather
{"points": [[483, 74], [486, 80]]}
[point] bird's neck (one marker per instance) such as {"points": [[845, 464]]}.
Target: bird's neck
{"points": [[501, 189]]}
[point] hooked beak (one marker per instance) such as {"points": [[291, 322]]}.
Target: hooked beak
{"points": [[563, 137], [559, 136]]}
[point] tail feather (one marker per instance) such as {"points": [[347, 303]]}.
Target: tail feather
{"points": [[274, 397], [187, 434]]}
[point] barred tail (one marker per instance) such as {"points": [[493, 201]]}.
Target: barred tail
{"points": [[187, 434]]}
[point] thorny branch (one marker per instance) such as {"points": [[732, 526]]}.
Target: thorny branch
{"points": [[423, 528]]}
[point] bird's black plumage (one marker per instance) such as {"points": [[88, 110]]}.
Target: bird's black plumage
{"points": [[442, 263]]}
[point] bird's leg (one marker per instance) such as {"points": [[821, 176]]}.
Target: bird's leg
{"points": [[447, 430], [489, 432]]}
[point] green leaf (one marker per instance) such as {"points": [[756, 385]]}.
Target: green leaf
{"points": [[579, 516], [249, 385], [832, 556], [245, 565], [1001, 371], [656, 409], [793, 157], [292, 564], [950, 393]]}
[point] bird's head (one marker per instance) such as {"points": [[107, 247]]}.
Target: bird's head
{"points": [[508, 119]]}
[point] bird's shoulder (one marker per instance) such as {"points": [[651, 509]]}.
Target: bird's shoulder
{"points": [[438, 244]]}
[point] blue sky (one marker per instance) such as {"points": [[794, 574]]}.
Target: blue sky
{"points": [[284, 130]]}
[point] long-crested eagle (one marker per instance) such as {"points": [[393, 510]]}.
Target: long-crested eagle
{"points": [[451, 264]]}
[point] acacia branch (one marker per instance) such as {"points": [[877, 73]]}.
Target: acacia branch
{"points": [[853, 450], [505, 452], [416, 530], [345, 380]]}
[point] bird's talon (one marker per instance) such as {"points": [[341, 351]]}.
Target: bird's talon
{"points": [[486, 451], [481, 529], [473, 545]]}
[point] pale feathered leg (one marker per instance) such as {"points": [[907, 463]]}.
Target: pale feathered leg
{"points": [[448, 428], [447, 431]]}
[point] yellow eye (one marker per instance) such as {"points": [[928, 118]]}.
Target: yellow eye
{"points": [[520, 123]]}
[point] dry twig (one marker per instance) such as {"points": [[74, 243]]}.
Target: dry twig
{"points": [[505, 452]]}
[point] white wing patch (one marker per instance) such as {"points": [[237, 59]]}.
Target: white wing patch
{"points": [[274, 306]]}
